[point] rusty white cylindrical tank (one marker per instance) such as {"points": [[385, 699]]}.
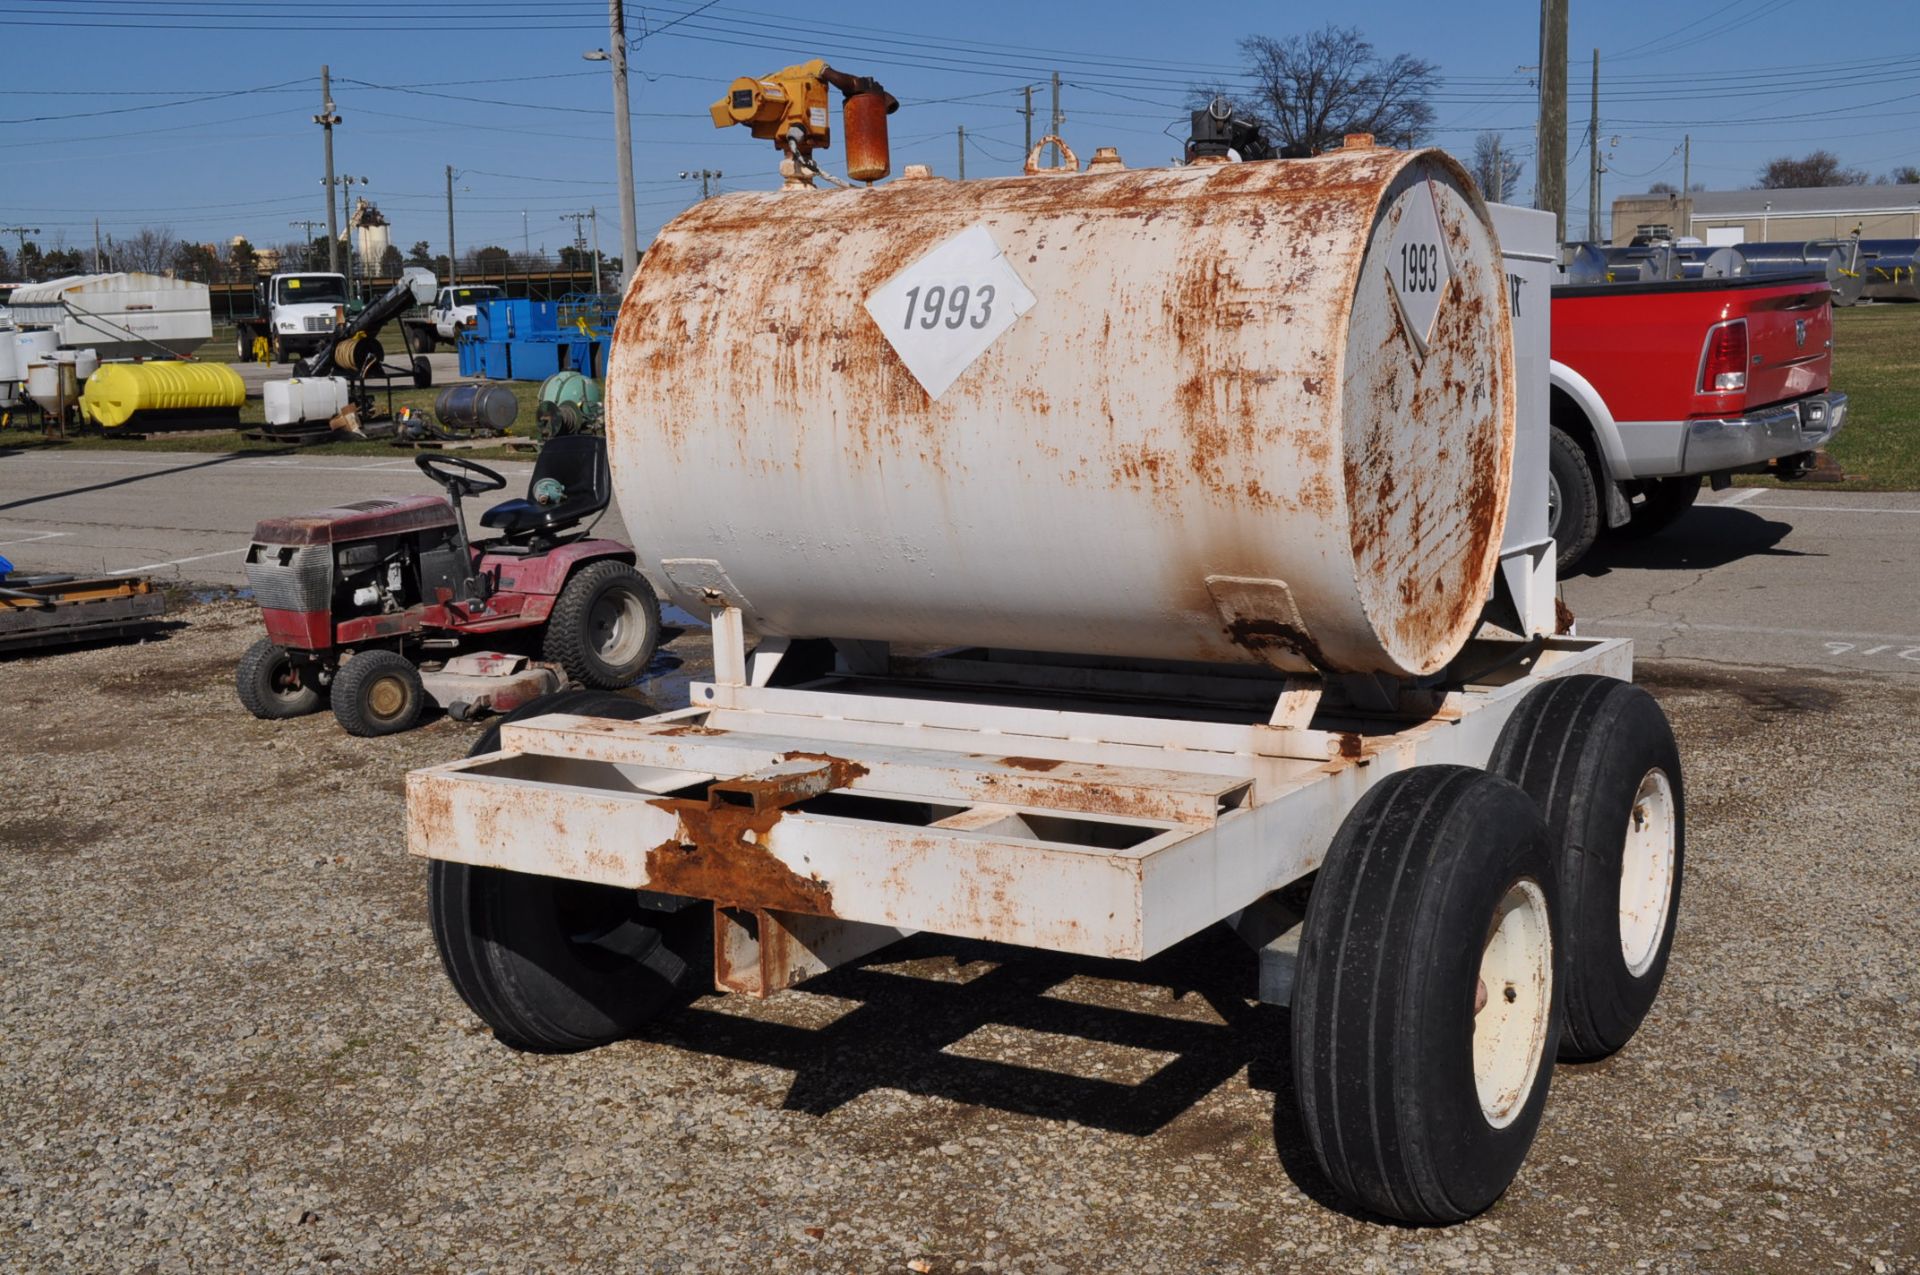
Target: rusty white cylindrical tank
{"points": [[1255, 412]]}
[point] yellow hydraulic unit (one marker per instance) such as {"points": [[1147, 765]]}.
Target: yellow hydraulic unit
{"points": [[142, 397], [789, 108]]}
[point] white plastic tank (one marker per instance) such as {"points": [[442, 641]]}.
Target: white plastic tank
{"points": [[303, 398], [1256, 412]]}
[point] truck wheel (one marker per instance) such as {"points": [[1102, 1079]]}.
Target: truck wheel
{"points": [[422, 373], [605, 626], [244, 340], [1598, 757], [1424, 1022], [377, 693], [423, 338], [555, 965], [268, 683], [1573, 499], [1662, 503]]}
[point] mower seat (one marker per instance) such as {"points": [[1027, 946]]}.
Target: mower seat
{"points": [[578, 462]]}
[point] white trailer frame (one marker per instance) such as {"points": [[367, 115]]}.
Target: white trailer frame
{"points": [[986, 795]]}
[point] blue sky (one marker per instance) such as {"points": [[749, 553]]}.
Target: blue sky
{"points": [[99, 118]]}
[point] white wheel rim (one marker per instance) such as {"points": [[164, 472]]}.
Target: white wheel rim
{"points": [[1510, 1030], [1646, 872], [618, 626]]}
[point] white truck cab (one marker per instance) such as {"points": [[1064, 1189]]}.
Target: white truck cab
{"points": [[454, 309], [294, 314]]}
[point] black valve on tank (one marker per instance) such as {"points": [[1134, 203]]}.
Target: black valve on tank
{"points": [[1221, 133]]}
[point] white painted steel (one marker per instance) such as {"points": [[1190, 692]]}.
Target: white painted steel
{"points": [[120, 315], [1219, 815], [1510, 1029], [1215, 436], [1646, 871]]}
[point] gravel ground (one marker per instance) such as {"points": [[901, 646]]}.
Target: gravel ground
{"points": [[228, 1044]]}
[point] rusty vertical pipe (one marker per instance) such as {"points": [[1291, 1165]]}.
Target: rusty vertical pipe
{"points": [[864, 118]]}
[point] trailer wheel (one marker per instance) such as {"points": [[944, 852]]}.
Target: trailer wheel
{"points": [[554, 965], [422, 373], [605, 626], [1661, 505], [1599, 758], [1424, 1022], [377, 693], [268, 683], [1573, 498]]}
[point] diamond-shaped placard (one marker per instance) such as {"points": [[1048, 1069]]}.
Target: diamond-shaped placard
{"points": [[1417, 263], [943, 311]]}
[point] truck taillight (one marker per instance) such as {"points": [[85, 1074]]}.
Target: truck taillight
{"points": [[1723, 364]]}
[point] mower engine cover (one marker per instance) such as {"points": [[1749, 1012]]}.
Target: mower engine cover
{"points": [[299, 567]]}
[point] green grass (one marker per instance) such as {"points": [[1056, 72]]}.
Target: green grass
{"points": [[1876, 363]]}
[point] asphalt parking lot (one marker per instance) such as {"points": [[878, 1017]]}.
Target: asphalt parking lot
{"points": [[229, 1043]]}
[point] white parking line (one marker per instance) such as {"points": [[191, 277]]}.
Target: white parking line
{"points": [[175, 562], [1829, 509], [1741, 497], [35, 537]]}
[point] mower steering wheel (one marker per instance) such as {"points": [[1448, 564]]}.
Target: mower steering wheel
{"points": [[452, 471]]}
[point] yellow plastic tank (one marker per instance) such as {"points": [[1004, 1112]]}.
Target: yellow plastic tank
{"points": [[118, 391]]}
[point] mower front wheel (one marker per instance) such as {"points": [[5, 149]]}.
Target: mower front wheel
{"points": [[269, 683], [378, 693], [605, 626]]}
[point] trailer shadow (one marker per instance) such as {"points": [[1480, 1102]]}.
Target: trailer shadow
{"points": [[903, 1028], [1705, 537]]}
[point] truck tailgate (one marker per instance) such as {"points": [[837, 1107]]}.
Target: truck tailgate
{"points": [[1789, 345]]}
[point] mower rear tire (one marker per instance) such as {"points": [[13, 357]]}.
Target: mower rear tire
{"points": [[378, 693], [268, 683], [555, 966], [605, 626]]}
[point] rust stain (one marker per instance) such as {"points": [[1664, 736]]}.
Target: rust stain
{"points": [[676, 731], [719, 853], [1350, 744], [1261, 636], [842, 770], [1031, 763], [1562, 617]]}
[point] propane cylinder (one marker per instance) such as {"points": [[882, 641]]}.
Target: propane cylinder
{"points": [[1247, 412], [863, 118]]}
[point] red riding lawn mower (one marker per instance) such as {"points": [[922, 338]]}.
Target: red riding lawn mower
{"points": [[382, 604]]}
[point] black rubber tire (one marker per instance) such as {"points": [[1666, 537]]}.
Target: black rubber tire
{"points": [[423, 339], [245, 345], [578, 640], [506, 939], [363, 692], [1661, 505], [1384, 1018], [1575, 522], [1581, 747], [268, 683], [422, 373]]}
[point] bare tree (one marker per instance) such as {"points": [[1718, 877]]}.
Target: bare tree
{"points": [[1495, 168], [1816, 168], [1312, 89], [149, 249], [1905, 175]]}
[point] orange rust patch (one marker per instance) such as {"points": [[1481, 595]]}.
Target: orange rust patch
{"points": [[1562, 617], [719, 853], [1031, 763], [690, 729], [843, 771]]}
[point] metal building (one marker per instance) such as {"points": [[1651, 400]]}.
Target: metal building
{"points": [[1757, 216]]}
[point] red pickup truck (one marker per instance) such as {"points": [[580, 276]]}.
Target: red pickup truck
{"points": [[1657, 385]]}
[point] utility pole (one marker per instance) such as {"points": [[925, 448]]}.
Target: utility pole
{"points": [[1058, 120], [1593, 158], [1550, 142], [1027, 111], [705, 176], [526, 251], [326, 119], [96, 246], [594, 215], [306, 225], [23, 232], [623, 141], [1499, 174], [1686, 180], [453, 259], [962, 135]]}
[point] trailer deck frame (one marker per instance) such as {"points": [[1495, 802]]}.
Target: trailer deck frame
{"points": [[1104, 808]]}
